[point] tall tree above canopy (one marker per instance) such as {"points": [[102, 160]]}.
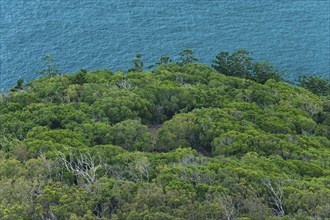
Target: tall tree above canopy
{"points": [[186, 56], [240, 64], [138, 64], [50, 68], [236, 64]]}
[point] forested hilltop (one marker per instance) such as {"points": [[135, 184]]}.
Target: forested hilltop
{"points": [[183, 141]]}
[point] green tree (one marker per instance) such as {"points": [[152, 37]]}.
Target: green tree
{"points": [[50, 68], [187, 56], [315, 84], [19, 86], [179, 132], [263, 71], [138, 64], [80, 77], [163, 60], [239, 63], [131, 135]]}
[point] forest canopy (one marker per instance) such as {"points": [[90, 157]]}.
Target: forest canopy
{"points": [[182, 141]]}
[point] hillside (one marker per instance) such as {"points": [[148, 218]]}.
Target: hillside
{"points": [[179, 142]]}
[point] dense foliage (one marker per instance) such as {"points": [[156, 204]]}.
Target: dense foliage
{"points": [[240, 64], [315, 84], [180, 142]]}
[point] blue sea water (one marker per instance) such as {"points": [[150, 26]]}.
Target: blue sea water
{"points": [[294, 35]]}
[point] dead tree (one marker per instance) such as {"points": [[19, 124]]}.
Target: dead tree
{"points": [[276, 194], [81, 165]]}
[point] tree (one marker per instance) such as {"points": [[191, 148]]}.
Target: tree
{"points": [[139, 169], [82, 165], [276, 194], [50, 68], [315, 84], [240, 64], [131, 135], [80, 77], [236, 64], [138, 64], [186, 56], [179, 132], [163, 60], [263, 71], [19, 86]]}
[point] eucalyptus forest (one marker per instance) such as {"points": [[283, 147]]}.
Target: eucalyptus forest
{"points": [[178, 140]]}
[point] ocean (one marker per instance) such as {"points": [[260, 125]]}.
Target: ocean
{"points": [[293, 35]]}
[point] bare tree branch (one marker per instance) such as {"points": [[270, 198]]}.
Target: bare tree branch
{"points": [[81, 165], [276, 194]]}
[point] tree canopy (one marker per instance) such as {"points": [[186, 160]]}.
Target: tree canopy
{"points": [[178, 142]]}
